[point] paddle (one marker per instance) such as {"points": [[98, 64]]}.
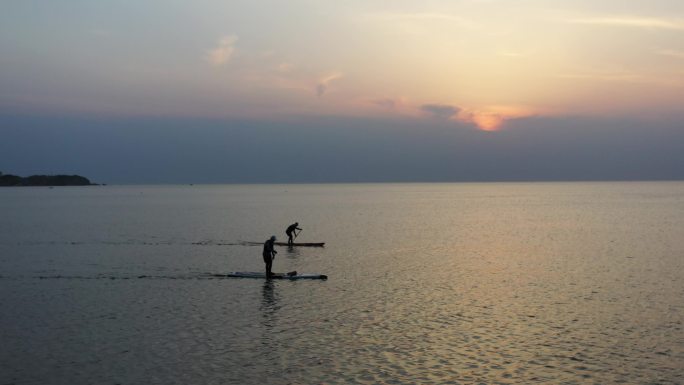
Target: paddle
{"points": [[296, 233]]}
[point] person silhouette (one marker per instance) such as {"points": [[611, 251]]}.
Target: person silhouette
{"points": [[292, 229], [269, 255]]}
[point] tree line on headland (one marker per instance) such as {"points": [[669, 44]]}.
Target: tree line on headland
{"points": [[8, 180]]}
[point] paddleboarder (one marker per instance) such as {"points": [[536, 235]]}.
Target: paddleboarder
{"points": [[292, 229], [269, 254]]}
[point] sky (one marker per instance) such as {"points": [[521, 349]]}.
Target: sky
{"points": [[342, 91]]}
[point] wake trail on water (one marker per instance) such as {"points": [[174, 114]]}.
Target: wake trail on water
{"points": [[136, 243], [198, 276]]}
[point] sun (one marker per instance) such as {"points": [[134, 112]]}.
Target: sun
{"points": [[488, 122], [493, 118]]}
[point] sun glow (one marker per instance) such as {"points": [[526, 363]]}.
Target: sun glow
{"points": [[494, 117], [488, 122]]}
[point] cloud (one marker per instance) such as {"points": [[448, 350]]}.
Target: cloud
{"points": [[634, 22], [385, 103], [613, 76], [222, 54], [278, 73], [671, 53], [285, 67], [440, 111], [531, 149], [324, 83], [423, 17]]}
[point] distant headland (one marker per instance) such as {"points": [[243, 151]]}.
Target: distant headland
{"points": [[8, 180]]}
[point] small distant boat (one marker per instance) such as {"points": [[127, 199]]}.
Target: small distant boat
{"points": [[253, 274]]}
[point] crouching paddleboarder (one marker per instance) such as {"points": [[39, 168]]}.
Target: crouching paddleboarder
{"points": [[292, 229], [269, 255]]}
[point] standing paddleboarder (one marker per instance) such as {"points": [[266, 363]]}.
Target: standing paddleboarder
{"points": [[292, 229], [269, 255]]}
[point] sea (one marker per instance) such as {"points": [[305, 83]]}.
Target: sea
{"points": [[454, 283]]}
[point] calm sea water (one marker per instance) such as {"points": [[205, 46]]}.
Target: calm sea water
{"points": [[568, 283]]}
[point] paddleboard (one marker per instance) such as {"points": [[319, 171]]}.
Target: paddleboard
{"points": [[300, 244], [309, 244], [262, 275]]}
